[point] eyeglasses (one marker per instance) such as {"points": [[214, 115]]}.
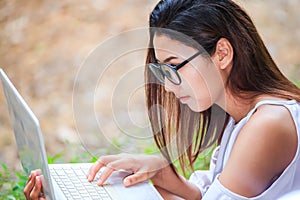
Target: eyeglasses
{"points": [[164, 70]]}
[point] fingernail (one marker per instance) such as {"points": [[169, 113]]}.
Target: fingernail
{"points": [[99, 182], [126, 182]]}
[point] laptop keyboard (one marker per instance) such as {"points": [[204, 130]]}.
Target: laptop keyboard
{"points": [[74, 184]]}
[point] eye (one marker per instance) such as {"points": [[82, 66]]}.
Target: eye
{"points": [[172, 65], [167, 73], [167, 70]]}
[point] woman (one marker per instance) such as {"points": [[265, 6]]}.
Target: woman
{"points": [[233, 94]]}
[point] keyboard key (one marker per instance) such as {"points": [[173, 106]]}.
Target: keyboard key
{"points": [[74, 184]]}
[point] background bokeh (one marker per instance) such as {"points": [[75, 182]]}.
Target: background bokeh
{"points": [[44, 43]]}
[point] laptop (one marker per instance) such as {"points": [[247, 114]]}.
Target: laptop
{"points": [[62, 181]]}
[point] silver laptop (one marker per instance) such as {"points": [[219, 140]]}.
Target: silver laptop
{"points": [[62, 181]]}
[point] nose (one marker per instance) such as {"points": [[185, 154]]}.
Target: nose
{"points": [[170, 87]]}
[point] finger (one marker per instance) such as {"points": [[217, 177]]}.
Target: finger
{"points": [[41, 194], [40, 185], [93, 170], [104, 175], [101, 162], [34, 194], [135, 178], [36, 172], [32, 176], [29, 179], [31, 182], [123, 164], [28, 187]]}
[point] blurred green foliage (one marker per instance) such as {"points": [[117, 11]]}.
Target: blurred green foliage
{"points": [[11, 184]]}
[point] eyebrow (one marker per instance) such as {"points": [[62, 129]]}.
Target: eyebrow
{"points": [[168, 59]]}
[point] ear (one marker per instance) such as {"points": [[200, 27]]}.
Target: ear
{"points": [[224, 54]]}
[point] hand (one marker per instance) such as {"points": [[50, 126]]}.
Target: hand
{"points": [[33, 189], [143, 167]]}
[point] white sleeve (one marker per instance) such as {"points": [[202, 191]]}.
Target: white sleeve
{"points": [[209, 188], [203, 178], [217, 191]]}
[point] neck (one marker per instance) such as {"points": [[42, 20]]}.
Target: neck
{"points": [[236, 107]]}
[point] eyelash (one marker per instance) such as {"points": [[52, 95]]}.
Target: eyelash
{"points": [[173, 65], [157, 61]]}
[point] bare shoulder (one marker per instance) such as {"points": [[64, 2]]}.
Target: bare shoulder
{"points": [[272, 121], [264, 148]]}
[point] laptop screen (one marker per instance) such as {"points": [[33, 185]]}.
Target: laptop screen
{"points": [[27, 133]]}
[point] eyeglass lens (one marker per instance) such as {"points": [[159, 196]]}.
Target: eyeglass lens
{"points": [[162, 71]]}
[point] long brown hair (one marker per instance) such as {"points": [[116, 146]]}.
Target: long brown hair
{"points": [[253, 73]]}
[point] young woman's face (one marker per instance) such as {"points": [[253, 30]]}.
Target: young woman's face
{"points": [[201, 85]]}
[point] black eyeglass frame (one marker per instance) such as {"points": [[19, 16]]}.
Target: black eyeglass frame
{"points": [[174, 68]]}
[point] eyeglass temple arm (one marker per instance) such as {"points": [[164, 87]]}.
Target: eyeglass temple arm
{"points": [[189, 59]]}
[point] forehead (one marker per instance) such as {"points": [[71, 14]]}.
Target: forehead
{"points": [[164, 46]]}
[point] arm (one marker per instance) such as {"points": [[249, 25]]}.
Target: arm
{"points": [[145, 167], [170, 183]]}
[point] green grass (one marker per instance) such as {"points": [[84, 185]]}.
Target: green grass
{"points": [[11, 184]]}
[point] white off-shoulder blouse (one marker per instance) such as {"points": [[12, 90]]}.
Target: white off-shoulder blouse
{"points": [[287, 186]]}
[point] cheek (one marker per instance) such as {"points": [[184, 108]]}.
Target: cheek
{"points": [[199, 88], [197, 82], [196, 87], [203, 86]]}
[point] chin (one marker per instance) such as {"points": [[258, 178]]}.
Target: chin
{"points": [[199, 107]]}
